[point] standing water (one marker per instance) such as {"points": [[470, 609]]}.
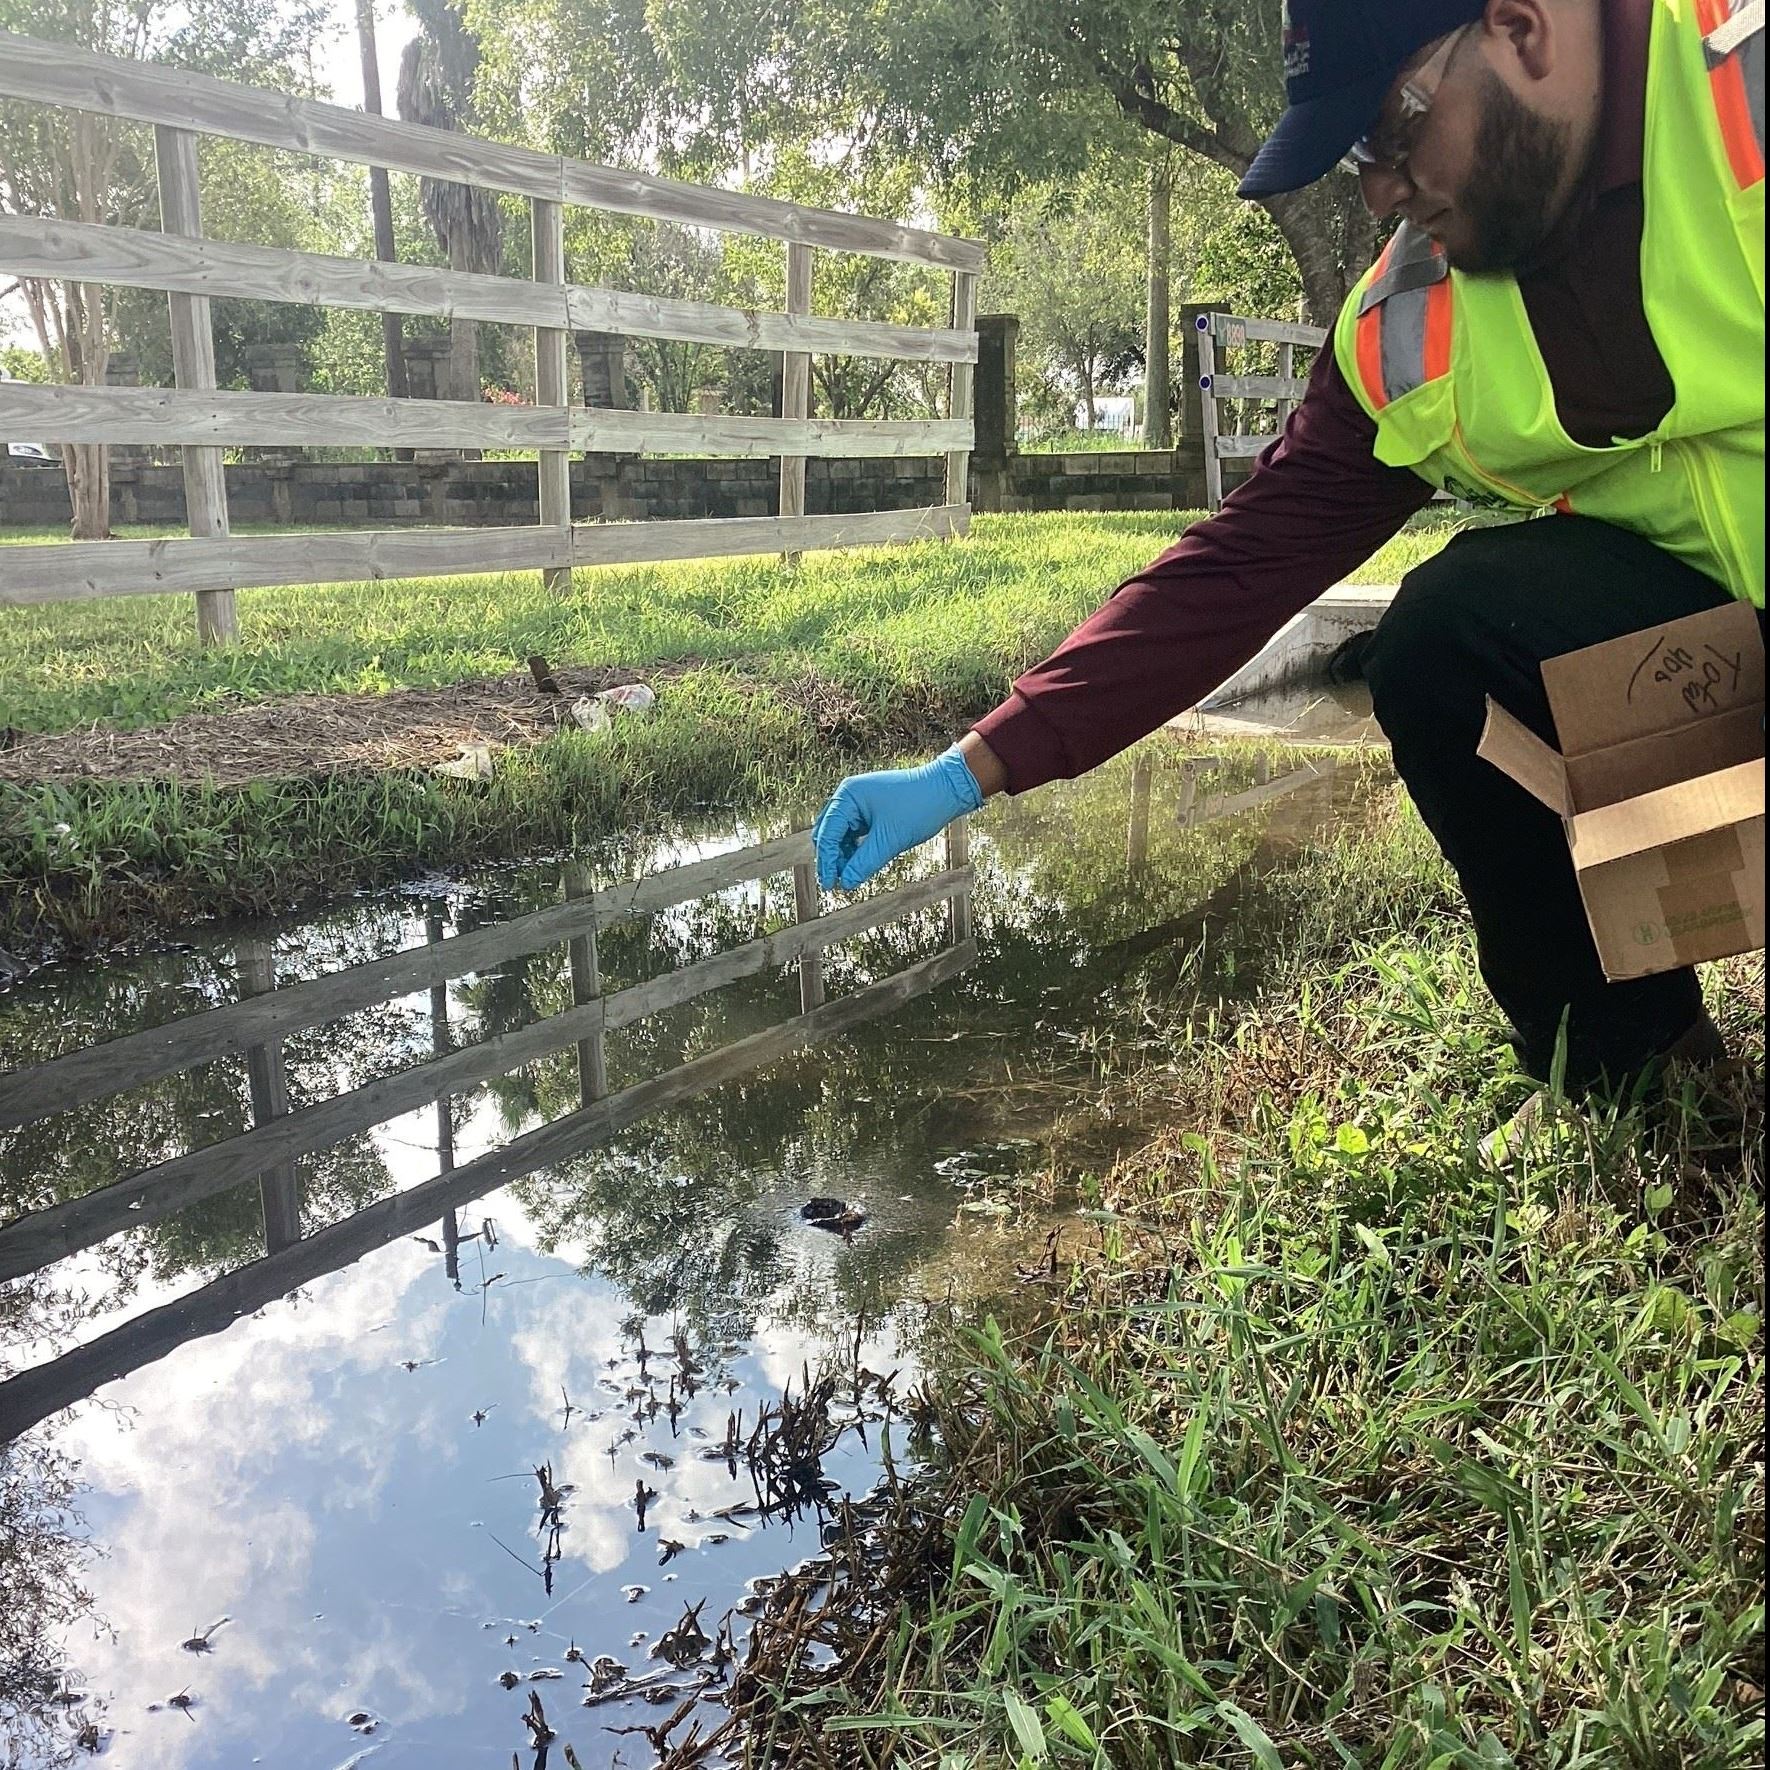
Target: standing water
{"points": [[490, 1490]]}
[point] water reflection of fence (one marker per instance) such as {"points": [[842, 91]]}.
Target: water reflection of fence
{"points": [[1190, 811], [192, 270], [256, 1025]]}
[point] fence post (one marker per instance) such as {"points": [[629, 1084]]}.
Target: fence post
{"points": [[1287, 368], [795, 384], [445, 1124], [961, 399], [958, 854], [586, 966], [553, 466], [993, 406], [1186, 803], [1137, 832], [807, 907], [1207, 374], [193, 366], [279, 1191]]}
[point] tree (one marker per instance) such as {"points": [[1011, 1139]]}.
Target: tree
{"points": [[1018, 92], [1073, 268], [83, 167], [1158, 381], [437, 76], [848, 176]]}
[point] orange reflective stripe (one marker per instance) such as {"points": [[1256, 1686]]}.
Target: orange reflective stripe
{"points": [[1369, 339], [1739, 132], [1438, 330], [1370, 356], [1734, 108]]}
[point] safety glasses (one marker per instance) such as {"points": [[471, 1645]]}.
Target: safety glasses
{"points": [[1389, 146]]}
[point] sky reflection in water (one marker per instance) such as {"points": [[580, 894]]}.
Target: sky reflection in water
{"points": [[376, 1548]]}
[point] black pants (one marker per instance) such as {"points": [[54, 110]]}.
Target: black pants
{"points": [[1478, 619]]}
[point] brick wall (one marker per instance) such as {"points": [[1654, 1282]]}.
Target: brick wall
{"points": [[474, 493]]}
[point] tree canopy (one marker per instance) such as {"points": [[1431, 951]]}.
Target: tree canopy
{"points": [[990, 97]]}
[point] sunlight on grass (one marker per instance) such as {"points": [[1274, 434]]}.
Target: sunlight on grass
{"points": [[973, 613]]}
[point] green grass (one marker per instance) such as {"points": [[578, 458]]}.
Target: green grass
{"points": [[907, 645], [965, 613], [1333, 1446], [1081, 442]]}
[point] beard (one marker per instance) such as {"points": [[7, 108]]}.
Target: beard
{"points": [[1510, 205]]}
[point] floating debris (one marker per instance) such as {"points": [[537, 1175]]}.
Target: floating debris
{"points": [[833, 1214], [200, 1641], [684, 1644]]}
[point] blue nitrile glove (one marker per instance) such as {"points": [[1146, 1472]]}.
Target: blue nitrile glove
{"points": [[873, 818]]}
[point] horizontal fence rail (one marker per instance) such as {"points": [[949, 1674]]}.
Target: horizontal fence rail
{"points": [[241, 420], [1223, 332], [1223, 435], [70, 571], [257, 1025], [201, 420], [35, 246], [113, 86]]}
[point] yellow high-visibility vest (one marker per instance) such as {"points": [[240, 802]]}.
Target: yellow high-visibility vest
{"points": [[1447, 365]]}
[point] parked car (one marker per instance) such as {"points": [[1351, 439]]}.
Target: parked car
{"points": [[29, 454]]}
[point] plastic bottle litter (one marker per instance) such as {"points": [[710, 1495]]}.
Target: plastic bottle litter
{"points": [[630, 697], [473, 764], [589, 714]]}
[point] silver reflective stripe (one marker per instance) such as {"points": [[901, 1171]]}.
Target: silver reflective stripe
{"points": [[1751, 60], [1747, 17], [1415, 262], [1743, 36], [1404, 342]]}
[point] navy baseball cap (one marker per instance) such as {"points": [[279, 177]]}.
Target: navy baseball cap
{"points": [[1340, 58]]}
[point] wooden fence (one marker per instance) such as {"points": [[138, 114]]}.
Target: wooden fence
{"points": [[1243, 412], [202, 421], [1234, 403], [256, 1025]]}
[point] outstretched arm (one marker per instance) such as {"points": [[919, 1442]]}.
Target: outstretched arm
{"points": [[1317, 505]]}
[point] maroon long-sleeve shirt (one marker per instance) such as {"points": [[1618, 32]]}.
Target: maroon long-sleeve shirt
{"points": [[1319, 503]]}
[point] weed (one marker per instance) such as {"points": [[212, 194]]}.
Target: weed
{"points": [[1329, 1444]]}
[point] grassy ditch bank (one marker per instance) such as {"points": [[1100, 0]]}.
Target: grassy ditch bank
{"points": [[771, 680], [1321, 1442]]}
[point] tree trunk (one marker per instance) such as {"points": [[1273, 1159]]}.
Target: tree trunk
{"points": [[1333, 238], [1158, 377], [1088, 410], [88, 467], [463, 340]]}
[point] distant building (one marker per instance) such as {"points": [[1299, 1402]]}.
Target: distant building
{"points": [[1114, 412]]}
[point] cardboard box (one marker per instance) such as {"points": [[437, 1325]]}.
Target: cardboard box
{"points": [[1659, 779]]}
